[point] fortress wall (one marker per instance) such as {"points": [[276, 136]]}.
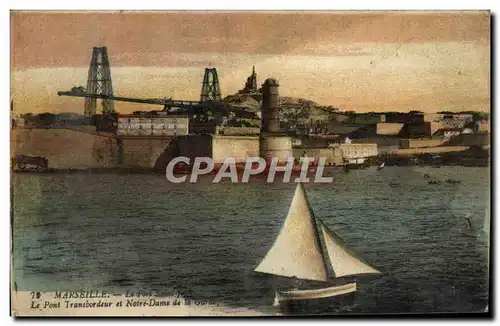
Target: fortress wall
{"points": [[333, 155], [380, 141], [65, 148], [142, 153], [429, 150], [193, 146], [419, 143], [238, 130], [239, 147], [480, 139], [275, 146], [77, 149]]}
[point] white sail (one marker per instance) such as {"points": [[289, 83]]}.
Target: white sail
{"points": [[296, 251], [343, 261]]}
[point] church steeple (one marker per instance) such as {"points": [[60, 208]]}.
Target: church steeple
{"points": [[251, 84]]}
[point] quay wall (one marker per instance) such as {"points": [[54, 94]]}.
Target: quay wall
{"points": [[193, 146], [239, 147], [332, 155], [218, 147], [429, 150], [142, 153], [65, 148], [479, 139], [71, 149], [68, 149], [420, 143]]}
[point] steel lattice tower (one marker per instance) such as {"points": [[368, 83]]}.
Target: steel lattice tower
{"points": [[99, 82], [210, 91]]}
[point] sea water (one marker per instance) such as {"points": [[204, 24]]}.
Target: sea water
{"points": [[74, 231]]}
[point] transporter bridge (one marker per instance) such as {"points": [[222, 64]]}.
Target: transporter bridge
{"points": [[188, 107]]}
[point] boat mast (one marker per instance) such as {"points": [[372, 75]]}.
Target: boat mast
{"points": [[323, 250], [316, 230]]}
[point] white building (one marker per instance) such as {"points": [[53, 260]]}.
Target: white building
{"points": [[134, 125], [356, 153], [451, 120]]}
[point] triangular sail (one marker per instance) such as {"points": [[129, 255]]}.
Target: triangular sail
{"points": [[297, 250], [344, 262]]}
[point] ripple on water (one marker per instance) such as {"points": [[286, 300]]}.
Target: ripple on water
{"points": [[122, 231]]}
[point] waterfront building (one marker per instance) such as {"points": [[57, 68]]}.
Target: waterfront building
{"points": [[449, 120], [157, 125], [355, 153], [389, 128]]}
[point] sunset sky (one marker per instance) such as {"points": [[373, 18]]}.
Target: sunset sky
{"points": [[363, 61]]}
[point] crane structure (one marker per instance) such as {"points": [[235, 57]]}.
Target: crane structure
{"points": [[99, 82], [192, 107], [99, 86], [210, 90]]}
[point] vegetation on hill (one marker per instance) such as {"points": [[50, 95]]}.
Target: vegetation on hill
{"points": [[293, 110]]}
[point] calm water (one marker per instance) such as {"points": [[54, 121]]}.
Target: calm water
{"points": [[111, 231]]}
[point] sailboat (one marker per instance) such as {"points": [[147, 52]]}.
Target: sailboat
{"points": [[381, 166], [298, 253]]}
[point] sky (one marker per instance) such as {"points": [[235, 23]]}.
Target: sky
{"points": [[362, 61]]}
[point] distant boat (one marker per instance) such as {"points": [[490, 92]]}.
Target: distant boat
{"points": [[469, 223], [381, 166], [298, 254], [469, 230], [357, 163]]}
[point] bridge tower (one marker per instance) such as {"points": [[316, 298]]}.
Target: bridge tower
{"points": [[99, 82], [210, 91]]}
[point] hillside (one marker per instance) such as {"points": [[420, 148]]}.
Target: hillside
{"points": [[293, 109]]}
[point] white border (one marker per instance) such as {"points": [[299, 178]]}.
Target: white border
{"points": [[256, 5], [181, 5]]}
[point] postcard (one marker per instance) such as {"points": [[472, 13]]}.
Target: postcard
{"points": [[250, 163]]}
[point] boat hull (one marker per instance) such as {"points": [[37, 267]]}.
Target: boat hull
{"points": [[315, 301], [315, 293]]}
